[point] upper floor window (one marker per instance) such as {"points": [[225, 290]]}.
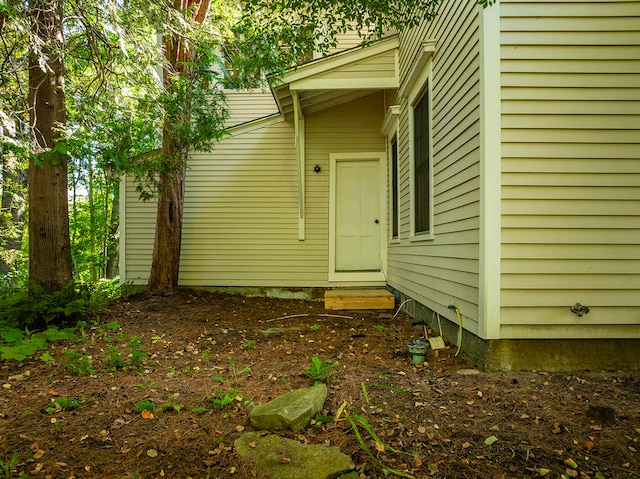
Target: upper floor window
{"points": [[421, 165], [417, 91]]}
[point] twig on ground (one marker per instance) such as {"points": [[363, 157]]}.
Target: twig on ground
{"points": [[286, 317], [335, 316]]}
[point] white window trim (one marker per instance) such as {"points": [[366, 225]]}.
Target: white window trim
{"points": [[423, 79], [390, 128]]}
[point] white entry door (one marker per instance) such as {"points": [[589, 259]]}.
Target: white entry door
{"points": [[358, 223]]}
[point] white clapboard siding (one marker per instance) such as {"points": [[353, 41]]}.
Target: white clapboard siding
{"points": [[136, 240], [445, 270], [248, 105], [241, 214], [571, 168]]}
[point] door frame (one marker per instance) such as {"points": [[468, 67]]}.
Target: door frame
{"points": [[368, 277]]}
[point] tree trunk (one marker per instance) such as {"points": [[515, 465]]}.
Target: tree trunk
{"points": [[165, 265], [49, 243], [166, 249]]}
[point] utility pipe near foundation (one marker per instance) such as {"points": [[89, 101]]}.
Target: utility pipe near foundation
{"points": [[454, 308]]}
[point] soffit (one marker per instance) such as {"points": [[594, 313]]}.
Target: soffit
{"points": [[339, 78]]}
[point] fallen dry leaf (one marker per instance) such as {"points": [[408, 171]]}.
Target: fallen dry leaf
{"points": [[146, 414], [285, 460], [152, 453], [38, 454]]}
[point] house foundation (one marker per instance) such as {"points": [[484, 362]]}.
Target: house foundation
{"points": [[552, 355]]}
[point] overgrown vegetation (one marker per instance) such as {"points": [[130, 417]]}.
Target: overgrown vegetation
{"points": [[30, 319], [33, 308]]}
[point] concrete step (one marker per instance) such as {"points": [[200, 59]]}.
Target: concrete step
{"points": [[338, 299]]}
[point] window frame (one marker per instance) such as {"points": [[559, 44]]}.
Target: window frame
{"points": [[394, 189], [390, 128], [419, 91]]}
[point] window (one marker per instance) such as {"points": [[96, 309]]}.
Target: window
{"points": [[395, 205], [421, 165], [417, 90], [390, 130]]}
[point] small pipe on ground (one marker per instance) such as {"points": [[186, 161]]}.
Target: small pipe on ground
{"points": [[335, 316], [286, 317]]}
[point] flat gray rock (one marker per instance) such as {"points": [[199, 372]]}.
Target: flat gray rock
{"points": [[281, 458], [292, 411]]}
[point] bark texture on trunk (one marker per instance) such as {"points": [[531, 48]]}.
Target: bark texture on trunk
{"points": [[49, 243], [165, 265]]}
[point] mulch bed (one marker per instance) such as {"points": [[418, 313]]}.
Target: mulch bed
{"points": [[157, 417]]}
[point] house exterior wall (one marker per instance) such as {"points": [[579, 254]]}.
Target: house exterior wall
{"points": [[240, 213], [443, 270], [248, 105], [570, 76], [241, 203], [352, 127]]}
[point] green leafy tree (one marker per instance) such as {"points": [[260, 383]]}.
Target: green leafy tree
{"points": [[72, 73], [194, 116], [49, 242]]}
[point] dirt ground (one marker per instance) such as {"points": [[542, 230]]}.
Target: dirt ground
{"points": [[170, 411]]}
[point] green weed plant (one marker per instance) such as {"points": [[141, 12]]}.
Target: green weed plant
{"points": [[360, 424], [11, 467], [145, 404], [320, 370], [78, 363], [222, 399], [62, 404]]}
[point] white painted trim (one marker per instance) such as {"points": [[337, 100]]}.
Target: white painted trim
{"points": [[256, 124], [377, 276], [423, 79], [390, 122], [422, 57], [122, 243], [490, 173], [390, 128], [344, 84], [301, 147]]}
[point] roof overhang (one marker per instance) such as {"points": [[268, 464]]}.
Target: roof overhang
{"points": [[337, 79]]}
